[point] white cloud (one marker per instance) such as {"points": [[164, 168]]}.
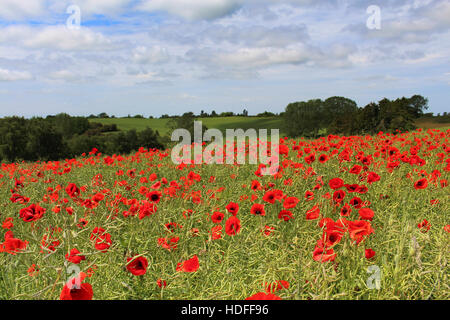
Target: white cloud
{"points": [[55, 37], [64, 75], [260, 57], [18, 10], [145, 55], [91, 7], [12, 75], [192, 9]]}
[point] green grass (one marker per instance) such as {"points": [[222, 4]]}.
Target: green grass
{"points": [[414, 264], [221, 123]]}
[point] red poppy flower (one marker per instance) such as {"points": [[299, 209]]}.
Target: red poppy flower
{"points": [[366, 213], [258, 210], [232, 226], [362, 189], [8, 223], [336, 183], [146, 209], [154, 196], [356, 169], [49, 243], [169, 244], [82, 223], [338, 196], [267, 230], [31, 213], [102, 239], [74, 256], [369, 253], [290, 202], [310, 158], [72, 190], [285, 215], [351, 187], [359, 229], [217, 217], [33, 270], [263, 296], [372, 177], [74, 289], [216, 232], [233, 208], [424, 226], [172, 226], [356, 202], [323, 158], [161, 283], [313, 213], [256, 185], [332, 237], [190, 265], [137, 266], [12, 245], [17, 198], [421, 184], [323, 255], [346, 210], [309, 195], [269, 197]]}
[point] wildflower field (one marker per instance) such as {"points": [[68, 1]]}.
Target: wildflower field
{"points": [[361, 217]]}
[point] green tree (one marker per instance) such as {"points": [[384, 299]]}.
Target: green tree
{"points": [[186, 121]]}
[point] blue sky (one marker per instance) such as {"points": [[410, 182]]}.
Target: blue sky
{"points": [[154, 57]]}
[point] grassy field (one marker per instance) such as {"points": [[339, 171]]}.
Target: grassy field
{"points": [[223, 123], [217, 123], [350, 218], [430, 124]]}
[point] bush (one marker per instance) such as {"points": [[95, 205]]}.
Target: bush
{"points": [[62, 136]]}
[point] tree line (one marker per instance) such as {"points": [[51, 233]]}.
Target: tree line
{"points": [[340, 115], [63, 136]]}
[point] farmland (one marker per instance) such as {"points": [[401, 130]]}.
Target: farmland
{"points": [[221, 123], [362, 217]]}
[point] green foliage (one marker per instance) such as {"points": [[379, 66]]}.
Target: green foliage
{"points": [[304, 118], [339, 115], [62, 136], [186, 121], [226, 114], [265, 114]]}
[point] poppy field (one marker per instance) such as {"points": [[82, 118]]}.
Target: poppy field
{"points": [[359, 217]]}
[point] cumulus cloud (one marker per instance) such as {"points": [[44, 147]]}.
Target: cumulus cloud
{"points": [[13, 75], [192, 9], [247, 62], [64, 75], [19, 10], [89, 8], [145, 55], [416, 22], [57, 37]]}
